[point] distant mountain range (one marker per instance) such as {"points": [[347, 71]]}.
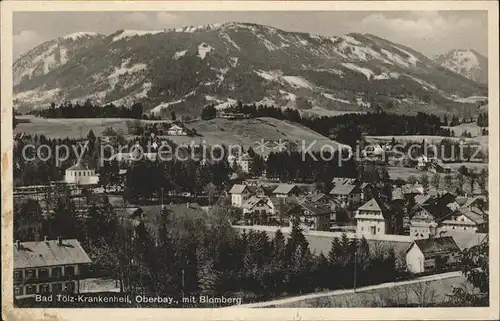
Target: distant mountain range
{"points": [[465, 62], [184, 69]]}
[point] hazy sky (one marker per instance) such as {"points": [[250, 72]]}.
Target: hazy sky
{"points": [[429, 32]]}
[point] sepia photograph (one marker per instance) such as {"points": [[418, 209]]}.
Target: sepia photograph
{"points": [[212, 158]]}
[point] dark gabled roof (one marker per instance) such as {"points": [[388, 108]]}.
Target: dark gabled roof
{"points": [[49, 253], [254, 200], [287, 201], [365, 185], [474, 214], [315, 209], [435, 246], [471, 201]]}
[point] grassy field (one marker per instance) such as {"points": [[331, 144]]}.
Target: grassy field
{"points": [[472, 128], [397, 172], [420, 294]]}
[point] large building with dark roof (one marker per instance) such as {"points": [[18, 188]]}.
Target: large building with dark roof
{"points": [[49, 266], [432, 254]]}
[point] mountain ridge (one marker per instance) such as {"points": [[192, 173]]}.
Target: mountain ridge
{"points": [[185, 68], [466, 62]]}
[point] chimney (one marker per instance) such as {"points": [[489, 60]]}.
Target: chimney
{"points": [[18, 243], [59, 240], [45, 239], [187, 204]]}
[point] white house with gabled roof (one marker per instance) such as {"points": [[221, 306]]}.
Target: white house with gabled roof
{"points": [[239, 194], [81, 174]]}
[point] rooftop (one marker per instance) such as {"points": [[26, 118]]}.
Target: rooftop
{"points": [[440, 245], [79, 166], [49, 253], [237, 189], [371, 205], [284, 188], [344, 189]]}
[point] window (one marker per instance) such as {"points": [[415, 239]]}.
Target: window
{"points": [[18, 275], [18, 290], [30, 289], [44, 288], [56, 271], [69, 270], [57, 287], [30, 273], [69, 287], [43, 273]]}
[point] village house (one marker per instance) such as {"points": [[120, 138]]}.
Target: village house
{"points": [[432, 254], [81, 174], [377, 217], [242, 162], [239, 194], [49, 266], [346, 195], [311, 216], [176, 130], [465, 220], [286, 190], [259, 209]]}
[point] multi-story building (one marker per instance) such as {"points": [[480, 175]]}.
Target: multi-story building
{"points": [[377, 217], [346, 194], [49, 266], [311, 216], [240, 194]]}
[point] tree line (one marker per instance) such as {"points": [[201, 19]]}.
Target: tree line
{"points": [[348, 128], [93, 110]]}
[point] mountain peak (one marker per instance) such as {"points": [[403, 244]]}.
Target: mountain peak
{"points": [[81, 34], [466, 62]]}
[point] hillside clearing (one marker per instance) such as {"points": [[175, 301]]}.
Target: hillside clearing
{"points": [[472, 128], [249, 132]]}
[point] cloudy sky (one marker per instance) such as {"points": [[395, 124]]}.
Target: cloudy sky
{"points": [[429, 32]]}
